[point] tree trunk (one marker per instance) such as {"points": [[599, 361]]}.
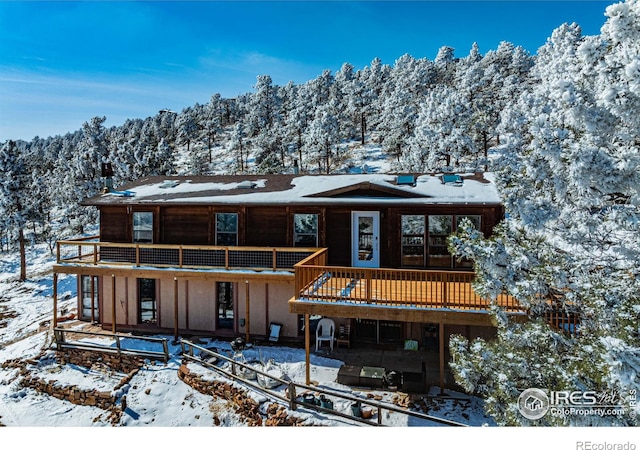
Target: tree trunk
{"points": [[485, 144], [363, 127], [209, 148], [23, 256], [300, 150]]}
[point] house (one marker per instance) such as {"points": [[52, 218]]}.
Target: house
{"points": [[230, 255]]}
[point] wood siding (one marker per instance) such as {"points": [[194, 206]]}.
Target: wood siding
{"points": [[266, 227], [114, 224], [185, 225], [272, 226]]}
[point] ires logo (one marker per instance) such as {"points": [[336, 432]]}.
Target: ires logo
{"points": [[535, 403]]}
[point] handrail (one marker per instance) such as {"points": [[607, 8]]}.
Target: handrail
{"points": [[292, 400], [61, 342], [393, 287], [182, 256]]}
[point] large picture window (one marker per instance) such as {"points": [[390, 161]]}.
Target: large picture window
{"points": [[424, 239], [475, 220], [305, 230], [227, 229], [413, 232], [440, 227], [143, 227]]}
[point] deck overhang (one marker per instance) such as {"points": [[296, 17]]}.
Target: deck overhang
{"points": [[155, 272], [399, 314]]}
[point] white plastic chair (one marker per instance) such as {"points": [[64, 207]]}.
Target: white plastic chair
{"points": [[325, 332]]}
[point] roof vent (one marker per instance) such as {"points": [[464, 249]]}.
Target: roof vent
{"points": [[167, 184], [452, 179], [246, 185], [405, 180]]}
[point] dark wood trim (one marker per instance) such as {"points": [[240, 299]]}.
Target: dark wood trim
{"points": [[237, 276], [482, 318]]}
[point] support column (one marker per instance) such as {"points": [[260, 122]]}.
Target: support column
{"points": [[55, 300], [175, 310], [307, 356], [441, 351], [248, 320], [113, 304]]}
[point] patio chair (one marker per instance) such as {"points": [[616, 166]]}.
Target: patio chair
{"points": [[325, 333]]}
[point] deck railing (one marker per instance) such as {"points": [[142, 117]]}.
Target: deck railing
{"points": [[391, 287], [93, 251]]}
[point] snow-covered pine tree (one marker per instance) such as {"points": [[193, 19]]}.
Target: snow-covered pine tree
{"points": [[14, 195], [570, 178], [442, 138]]}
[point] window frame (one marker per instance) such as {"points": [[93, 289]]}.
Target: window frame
{"points": [[219, 233], [153, 300], [315, 234], [135, 227], [411, 259]]}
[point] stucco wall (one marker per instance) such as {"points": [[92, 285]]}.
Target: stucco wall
{"points": [[197, 304]]}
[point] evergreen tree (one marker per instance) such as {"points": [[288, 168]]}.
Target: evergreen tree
{"points": [[570, 177], [14, 186]]}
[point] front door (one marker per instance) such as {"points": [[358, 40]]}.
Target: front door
{"points": [[365, 239]]}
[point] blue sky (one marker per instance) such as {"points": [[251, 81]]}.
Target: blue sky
{"points": [[64, 62]]}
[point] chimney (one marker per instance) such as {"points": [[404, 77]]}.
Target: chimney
{"points": [[107, 174]]}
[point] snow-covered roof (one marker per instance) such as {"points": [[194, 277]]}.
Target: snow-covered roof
{"points": [[474, 188]]}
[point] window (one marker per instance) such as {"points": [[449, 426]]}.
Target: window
{"points": [[413, 228], [475, 220], [227, 229], [305, 230], [440, 228], [147, 305], [142, 227], [89, 285]]}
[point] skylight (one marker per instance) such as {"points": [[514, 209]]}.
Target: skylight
{"points": [[452, 179], [406, 180]]}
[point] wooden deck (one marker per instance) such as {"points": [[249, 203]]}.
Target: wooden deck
{"points": [[392, 294], [405, 293]]}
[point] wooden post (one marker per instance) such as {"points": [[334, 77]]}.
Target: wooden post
{"points": [[113, 304], [247, 321], [175, 309], [307, 341], [367, 275], [445, 288], [274, 260], [441, 339], [55, 300]]}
